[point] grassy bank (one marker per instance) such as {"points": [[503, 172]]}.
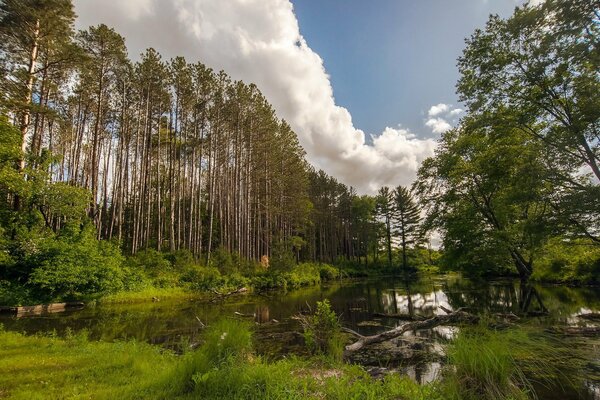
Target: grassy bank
{"points": [[224, 367], [481, 364]]}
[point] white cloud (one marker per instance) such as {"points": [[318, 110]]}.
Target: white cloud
{"points": [[534, 3], [256, 41], [438, 125], [455, 112], [436, 110], [442, 117]]}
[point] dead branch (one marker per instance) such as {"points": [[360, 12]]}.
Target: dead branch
{"points": [[221, 296], [452, 318], [591, 331], [590, 316], [239, 314], [405, 317]]}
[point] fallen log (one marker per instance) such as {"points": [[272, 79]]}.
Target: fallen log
{"points": [[239, 314], [454, 317], [39, 309], [404, 317], [590, 316], [591, 331], [221, 296]]}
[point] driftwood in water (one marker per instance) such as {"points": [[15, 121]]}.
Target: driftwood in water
{"points": [[239, 314], [23, 311], [577, 330], [590, 316], [507, 316], [405, 317], [453, 317], [221, 296]]}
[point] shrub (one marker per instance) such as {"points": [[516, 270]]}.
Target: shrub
{"points": [[223, 261], [322, 331], [282, 258], [202, 278], [569, 261], [13, 294], [181, 260], [328, 272], [303, 275], [75, 264]]}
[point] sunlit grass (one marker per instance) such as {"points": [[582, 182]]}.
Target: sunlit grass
{"points": [[224, 367], [150, 294]]}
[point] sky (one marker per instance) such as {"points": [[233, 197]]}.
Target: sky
{"points": [[367, 86]]}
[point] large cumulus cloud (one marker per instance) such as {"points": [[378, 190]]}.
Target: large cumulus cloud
{"points": [[260, 41]]}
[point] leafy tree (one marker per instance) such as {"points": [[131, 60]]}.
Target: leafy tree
{"points": [[406, 220], [485, 190], [542, 65]]}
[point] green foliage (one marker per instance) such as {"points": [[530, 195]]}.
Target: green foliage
{"points": [[75, 264], [14, 294], [322, 331], [485, 191], [223, 261], [566, 260], [328, 272], [226, 343], [81, 368], [282, 258], [202, 278]]}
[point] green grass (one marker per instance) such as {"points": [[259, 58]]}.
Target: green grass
{"points": [[150, 294], [498, 365], [36, 367]]}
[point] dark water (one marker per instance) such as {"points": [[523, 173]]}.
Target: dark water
{"points": [[176, 324]]}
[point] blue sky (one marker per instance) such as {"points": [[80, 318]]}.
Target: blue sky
{"points": [[390, 60]]}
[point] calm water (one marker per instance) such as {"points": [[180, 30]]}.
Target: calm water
{"points": [[174, 324]]}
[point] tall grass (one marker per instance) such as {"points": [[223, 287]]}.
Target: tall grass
{"points": [[497, 365]]}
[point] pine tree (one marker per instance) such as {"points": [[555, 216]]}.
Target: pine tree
{"points": [[30, 29], [406, 220], [385, 211]]}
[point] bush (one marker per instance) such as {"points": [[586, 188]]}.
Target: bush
{"points": [[282, 258], [322, 331], [305, 274], [202, 278], [13, 294], [75, 264], [569, 261], [223, 261], [181, 260], [328, 272], [156, 266]]}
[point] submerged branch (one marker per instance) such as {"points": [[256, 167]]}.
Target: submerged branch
{"points": [[456, 317]]}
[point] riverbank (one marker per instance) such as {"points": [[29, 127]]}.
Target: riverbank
{"points": [[164, 330], [46, 367]]}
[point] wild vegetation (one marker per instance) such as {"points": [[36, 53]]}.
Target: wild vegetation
{"points": [[127, 180]]}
